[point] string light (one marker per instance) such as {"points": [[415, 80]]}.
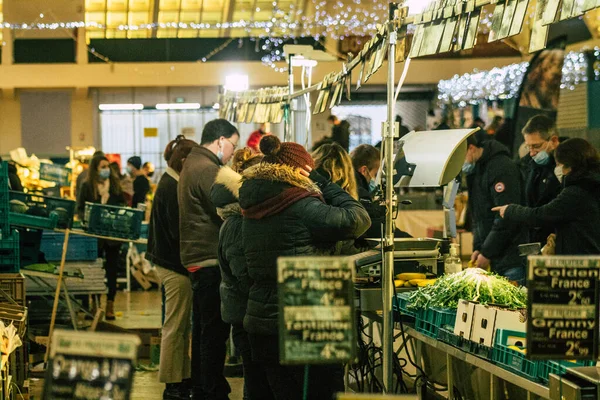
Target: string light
{"points": [[505, 83]]}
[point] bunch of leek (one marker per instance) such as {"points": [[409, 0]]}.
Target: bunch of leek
{"points": [[472, 284]]}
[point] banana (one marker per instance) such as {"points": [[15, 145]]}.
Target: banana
{"points": [[399, 283], [407, 284], [407, 276], [426, 282]]}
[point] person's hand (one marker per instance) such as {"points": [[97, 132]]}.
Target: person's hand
{"points": [[501, 210], [474, 256], [306, 171], [482, 262]]}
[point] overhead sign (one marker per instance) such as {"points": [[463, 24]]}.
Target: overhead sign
{"points": [[150, 132], [316, 310], [55, 173], [563, 307], [89, 365]]}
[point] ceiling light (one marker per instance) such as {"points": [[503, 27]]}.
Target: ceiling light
{"points": [[236, 83], [416, 6], [120, 107], [216, 106], [300, 61], [178, 106]]}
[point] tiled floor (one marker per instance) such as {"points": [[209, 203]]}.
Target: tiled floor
{"points": [[142, 310]]}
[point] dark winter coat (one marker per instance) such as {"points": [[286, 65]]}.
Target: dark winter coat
{"points": [[496, 181], [86, 195], [199, 222], [296, 230], [376, 211], [575, 214], [13, 178], [163, 229], [235, 282], [141, 188], [541, 187]]}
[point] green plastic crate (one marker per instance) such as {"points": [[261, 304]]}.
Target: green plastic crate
{"points": [[401, 304], [513, 360], [10, 261], [33, 222], [546, 368], [429, 321], [118, 222], [64, 209]]}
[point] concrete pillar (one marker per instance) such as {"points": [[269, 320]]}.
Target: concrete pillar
{"points": [[10, 121], [82, 118], [7, 47], [82, 48]]}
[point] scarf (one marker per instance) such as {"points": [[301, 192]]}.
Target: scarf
{"points": [[104, 191], [172, 173], [278, 203]]}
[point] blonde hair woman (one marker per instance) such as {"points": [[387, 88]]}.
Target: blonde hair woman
{"points": [[334, 160]]}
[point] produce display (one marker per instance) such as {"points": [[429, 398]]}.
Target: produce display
{"points": [[472, 284], [414, 279]]}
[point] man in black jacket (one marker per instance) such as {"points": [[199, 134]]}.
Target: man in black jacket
{"points": [[541, 184], [493, 180]]}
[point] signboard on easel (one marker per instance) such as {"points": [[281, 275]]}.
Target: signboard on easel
{"points": [[316, 310], [563, 307], [90, 365]]}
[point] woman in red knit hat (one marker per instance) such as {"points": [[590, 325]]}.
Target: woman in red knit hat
{"points": [[288, 210]]}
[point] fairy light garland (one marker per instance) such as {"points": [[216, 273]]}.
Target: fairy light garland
{"points": [[505, 83]]}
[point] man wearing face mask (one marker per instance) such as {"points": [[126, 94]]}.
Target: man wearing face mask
{"points": [[199, 226], [541, 184], [493, 179], [366, 162], [141, 184]]}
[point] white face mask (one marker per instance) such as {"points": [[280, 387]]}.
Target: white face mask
{"points": [[558, 171]]}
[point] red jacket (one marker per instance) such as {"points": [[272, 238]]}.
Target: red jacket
{"points": [[254, 140]]}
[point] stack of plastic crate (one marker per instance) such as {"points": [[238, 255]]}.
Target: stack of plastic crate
{"points": [[9, 239]]}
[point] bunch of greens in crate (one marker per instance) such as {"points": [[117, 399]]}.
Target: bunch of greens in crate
{"points": [[472, 284]]}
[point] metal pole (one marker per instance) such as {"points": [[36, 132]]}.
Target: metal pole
{"points": [[388, 262], [289, 126]]}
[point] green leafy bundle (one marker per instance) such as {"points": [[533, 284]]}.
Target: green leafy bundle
{"points": [[472, 284]]}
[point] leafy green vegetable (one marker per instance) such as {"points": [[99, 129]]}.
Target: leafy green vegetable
{"points": [[471, 284]]}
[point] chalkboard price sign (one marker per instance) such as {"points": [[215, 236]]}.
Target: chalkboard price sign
{"points": [[563, 307], [316, 310], [89, 365]]}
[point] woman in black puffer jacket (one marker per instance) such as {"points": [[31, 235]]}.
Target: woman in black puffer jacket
{"points": [[575, 213], [288, 212], [235, 282]]}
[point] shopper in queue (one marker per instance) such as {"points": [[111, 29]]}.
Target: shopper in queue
{"points": [[141, 184], [257, 135], [103, 187], [575, 213], [163, 252], [493, 179], [541, 184], [235, 282], [366, 163], [199, 226], [289, 209]]}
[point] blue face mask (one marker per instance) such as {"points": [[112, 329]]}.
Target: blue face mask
{"points": [[129, 170], [372, 185], [104, 173], [468, 168], [542, 158]]}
